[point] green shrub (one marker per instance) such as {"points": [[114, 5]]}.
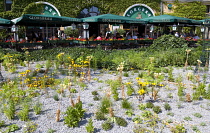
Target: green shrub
{"points": [[107, 125], [166, 42], [198, 115], [72, 90], [94, 93], [90, 127], [157, 109], [100, 116], [74, 115], [142, 106], [167, 106], [126, 104], [30, 127], [188, 118], [96, 98], [12, 128], [149, 105], [55, 97], [121, 121], [179, 128], [105, 104]]}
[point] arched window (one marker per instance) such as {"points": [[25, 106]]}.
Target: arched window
{"points": [[88, 12]]}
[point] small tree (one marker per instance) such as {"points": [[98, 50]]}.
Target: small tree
{"points": [[70, 32]]}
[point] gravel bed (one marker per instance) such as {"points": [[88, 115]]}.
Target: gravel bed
{"points": [[181, 109]]}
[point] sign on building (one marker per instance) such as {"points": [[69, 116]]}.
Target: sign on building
{"points": [[139, 11]]}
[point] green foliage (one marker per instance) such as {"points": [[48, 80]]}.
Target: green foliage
{"points": [[121, 121], [2, 123], [126, 104], [107, 125], [94, 93], [166, 42], [129, 113], [74, 115], [105, 104], [179, 128], [23, 114], [30, 127], [157, 109], [55, 97], [51, 130], [188, 118], [198, 115], [89, 127], [195, 128], [70, 32], [96, 98], [193, 10], [9, 111], [12, 128], [37, 108], [149, 105], [121, 31], [100, 116], [170, 113], [72, 90], [142, 106], [202, 124], [167, 106]]}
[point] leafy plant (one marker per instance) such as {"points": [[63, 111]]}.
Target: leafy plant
{"points": [[167, 106], [198, 115], [30, 127], [179, 128], [74, 115], [149, 105], [72, 90], [37, 108], [90, 127], [10, 110], [166, 42], [202, 124], [188, 118], [23, 114], [100, 116], [107, 125], [142, 106], [96, 98], [12, 128], [105, 104], [126, 104], [121, 121], [157, 109], [94, 93], [55, 97], [51, 130], [170, 113], [2, 123], [195, 128], [129, 113]]}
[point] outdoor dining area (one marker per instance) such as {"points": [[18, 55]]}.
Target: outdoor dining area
{"points": [[50, 38]]}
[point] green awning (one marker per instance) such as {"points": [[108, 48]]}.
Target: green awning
{"points": [[43, 20], [170, 19], [111, 18], [5, 22]]}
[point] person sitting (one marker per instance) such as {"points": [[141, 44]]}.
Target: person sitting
{"points": [[99, 37], [196, 37], [129, 36]]}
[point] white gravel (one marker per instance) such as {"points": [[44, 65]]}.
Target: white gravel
{"points": [[46, 120]]}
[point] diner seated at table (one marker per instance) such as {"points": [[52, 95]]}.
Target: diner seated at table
{"points": [[129, 35], [99, 37], [196, 37]]}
